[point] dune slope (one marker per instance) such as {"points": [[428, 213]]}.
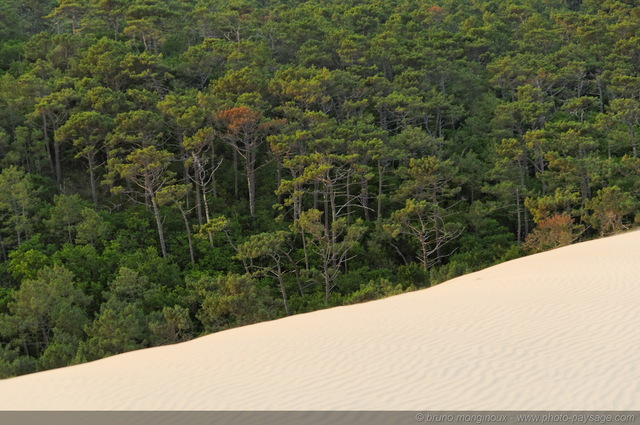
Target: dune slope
{"points": [[557, 330]]}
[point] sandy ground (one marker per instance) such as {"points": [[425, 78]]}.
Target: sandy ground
{"points": [[557, 330]]}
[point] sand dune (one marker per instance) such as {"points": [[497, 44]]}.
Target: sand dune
{"points": [[557, 330]]}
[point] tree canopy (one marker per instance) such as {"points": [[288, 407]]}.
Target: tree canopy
{"points": [[170, 168]]}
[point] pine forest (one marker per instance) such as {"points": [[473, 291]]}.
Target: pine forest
{"points": [[172, 168]]}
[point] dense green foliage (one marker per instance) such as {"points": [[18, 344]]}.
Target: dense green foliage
{"points": [[175, 167]]}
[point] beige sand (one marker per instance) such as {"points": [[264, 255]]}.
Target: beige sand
{"points": [[558, 330]]}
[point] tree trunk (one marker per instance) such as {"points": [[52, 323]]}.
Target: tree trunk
{"points": [[17, 216], [235, 174], [365, 198], [186, 179], [198, 205], [206, 212], [282, 288], [214, 167], [297, 273], [315, 195], [297, 200], [3, 249], [327, 281], [348, 193], [92, 180], [188, 230], [519, 228], [251, 182], [425, 256], [56, 151], [156, 213], [306, 253], [45, 134], [325, 196], [334, 236], [436, 225], [380, 171], [600, 95]]}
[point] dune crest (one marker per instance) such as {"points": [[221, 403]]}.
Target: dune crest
{"points": [[557, 330]]}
